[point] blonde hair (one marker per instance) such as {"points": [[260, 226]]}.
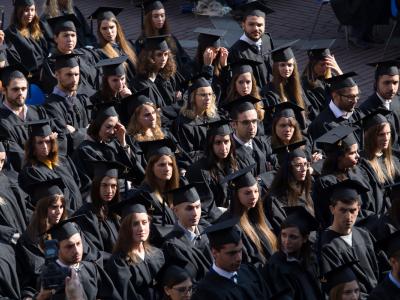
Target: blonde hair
{"points": [[135, 129], [188, 110], [52, 10]]}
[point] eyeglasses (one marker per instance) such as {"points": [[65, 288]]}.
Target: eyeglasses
{"points": [[248, 122], [301, 166], [351, 98], [183, 289], [205, 95]]}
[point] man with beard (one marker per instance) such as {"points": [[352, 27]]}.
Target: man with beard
{"points": [[386, 87], [343, 243], [254, 44], [65, 105]]}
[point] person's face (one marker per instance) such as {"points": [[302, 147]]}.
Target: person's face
{"points": [[291, 240], [28, 14], [158, 18], [107, 129], [68, 78], [350, 158], [16, 93], [320, 68], [347, 99], [351, 291], [108, 30], [2, 159], [54, 212], [254, 27], [244, 84], [188, 213], [108, 188], [222, 146], [140, 227], [286, 68], [163, 168], [249, 195], [300, 166], [116, 83], [203, 98], [345, 215], [42, 147], [229, 257], [66, 41], [383, 138], [284, 130], [180, 291], [148, 117], [246, 125], [71, 250], [387, 86], [161, 58]]}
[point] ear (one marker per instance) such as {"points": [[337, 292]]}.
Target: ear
{"points": [[234, 125], [166, 290], [214, 253], [332, 209]]}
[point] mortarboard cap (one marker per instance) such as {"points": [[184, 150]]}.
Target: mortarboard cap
{"points": [[320, 50], [175, 273], [44, 189], [340, 275], [225, 232], [158, 147], [219, 127], [209, 37], [300, 217], [103, 110], [341, 81], [374, 118], [105, 12], [388, 67], [107, 168], [287, 109], [390, 244], [152, 5], [254, 8], [38, 128], [198, 81], [137, 99], [241, 178], [64, 229], [290, 148], [283, 52], [113, 66], [157, 42], [186, 193], [244, 65], [11, 72], [337, 139], [66, 61], [241, 104], [135, 203], [63, 23], [23, 2], [348, 189]]}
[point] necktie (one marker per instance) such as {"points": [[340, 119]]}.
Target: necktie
{"points": [[234, 278]]}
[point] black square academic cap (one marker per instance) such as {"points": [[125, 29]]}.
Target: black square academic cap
{"points": [[337, 138], [23, 2], [157, 42], [186, 193], [107, 168], [341, 81], [48, 188], [254, 8], [64, 23], [320, 50], [158, 147], [287, 109], [135, 203], [65, 229], [113, 66], [300, 217], [151, 5], [137, 99], [340, 275], [225, 232], [219, 127], [103, 110], [283, 52], [209, 37], [388, 67], [38, 128], [391, 244], [374, 118], [289, 148], [12, 72], [241, 104], [241, 178], [348, 189], [66, 61], [105, 12], [244, 65], [198, 81]]}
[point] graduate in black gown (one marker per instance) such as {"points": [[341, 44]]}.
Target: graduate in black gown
{"points": [[65, 37], [184, 245], [26, 37], [177, 284], [229, 278], [295, 265], [112, 41], [219, 160], [343, 242], [342, 283], [389, 287], [254, 44], [135, 265], [42, 162]]}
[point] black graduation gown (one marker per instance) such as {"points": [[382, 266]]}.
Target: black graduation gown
{"points": [[195, 256], [39, 172], [318, 96], [103, 234], [250, 285], [386, 290], [141, 82], [136, 281], [303, 281], [89, 76], [336, 252], [262, 72]]}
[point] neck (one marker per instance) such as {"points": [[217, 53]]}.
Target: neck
{"points": [[15, 109], [153, 76], [69, 93], [161, 184], [340, 230], [200, 112], [148, 132], [251, 38], [138, 248], [242, 139]]}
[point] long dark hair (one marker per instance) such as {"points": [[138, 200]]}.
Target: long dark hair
{"points": [[100, 208], [30, 156]]}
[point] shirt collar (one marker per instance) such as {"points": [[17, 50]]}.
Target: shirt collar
{"points": [[223, 273], [244, 38], [25, 110], [338, 112], [394, 280], [248, 144], [190, 235], [385, 102], [57, 91]]}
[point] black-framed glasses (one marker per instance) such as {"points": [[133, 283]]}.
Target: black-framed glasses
{"points": [[184, 289], [350, 98], [248, 122]]}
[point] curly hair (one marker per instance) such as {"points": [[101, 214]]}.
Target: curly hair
{"points": [[137, 131], [189, 107], [32, 30], [147, 67]]}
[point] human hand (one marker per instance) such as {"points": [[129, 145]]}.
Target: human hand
{"points": [[73, 287], [120, 132], [70, 128], [223, 56], [331, 63], [208, 56]]}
